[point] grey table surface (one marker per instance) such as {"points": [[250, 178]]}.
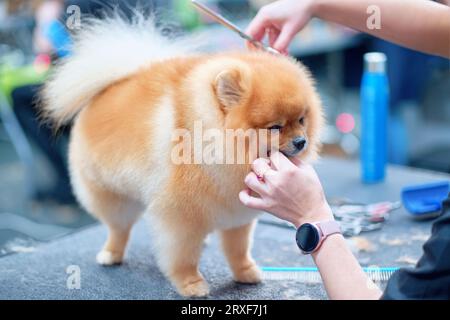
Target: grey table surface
{"points": [[41, 272]]}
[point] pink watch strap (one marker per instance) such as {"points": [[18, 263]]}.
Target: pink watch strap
{"points": [[328, 227]]}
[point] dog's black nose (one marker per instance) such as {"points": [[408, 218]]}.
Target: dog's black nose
{"points": [[299, 143]]}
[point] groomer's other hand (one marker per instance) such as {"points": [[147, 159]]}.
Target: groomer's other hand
{"points": [[289, 190], [281, 20]]}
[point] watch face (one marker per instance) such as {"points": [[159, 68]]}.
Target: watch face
{"points": [[307, 237]]}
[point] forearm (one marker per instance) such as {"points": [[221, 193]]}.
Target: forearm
{"points": [[418, 24], [341, 273]]}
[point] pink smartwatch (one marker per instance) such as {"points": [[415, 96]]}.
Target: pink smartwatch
{"points": [[310, 236]]}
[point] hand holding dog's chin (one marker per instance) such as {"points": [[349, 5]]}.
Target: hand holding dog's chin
{"points": [[292, 191]]}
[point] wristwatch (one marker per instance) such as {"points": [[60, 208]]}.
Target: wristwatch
{"points": [[310, 236]]}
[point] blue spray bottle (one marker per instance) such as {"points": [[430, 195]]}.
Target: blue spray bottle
{"points": [[374, 118], [59, 37]]}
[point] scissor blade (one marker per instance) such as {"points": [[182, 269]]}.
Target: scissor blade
{"points": [[219, 18], [225, 22]]}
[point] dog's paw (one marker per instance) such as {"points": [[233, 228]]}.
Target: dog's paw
{"points": [[108, 258], [251, 274], [198, 288]]}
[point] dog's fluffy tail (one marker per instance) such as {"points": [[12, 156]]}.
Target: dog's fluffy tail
{"points": [[103, 52]]}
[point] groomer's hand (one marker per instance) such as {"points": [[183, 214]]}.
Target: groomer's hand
{"points": [[281, 20], [292, 191], [289, 190]]}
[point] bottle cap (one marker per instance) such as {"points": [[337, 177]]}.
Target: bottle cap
{"points": [[375, 62]]}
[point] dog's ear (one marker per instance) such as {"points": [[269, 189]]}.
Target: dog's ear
{"points": [[230, 87]]}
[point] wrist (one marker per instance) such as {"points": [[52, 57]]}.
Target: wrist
{"points": [[314, 7], [321, 213], [332, 242]]}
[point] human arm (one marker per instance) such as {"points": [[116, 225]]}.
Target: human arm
{"points": [[422, 25], [293, 192]]}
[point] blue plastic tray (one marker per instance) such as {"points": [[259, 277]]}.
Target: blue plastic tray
{"points": [[425, 198]]}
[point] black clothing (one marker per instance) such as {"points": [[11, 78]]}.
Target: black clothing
{"points": [[430, 279]]}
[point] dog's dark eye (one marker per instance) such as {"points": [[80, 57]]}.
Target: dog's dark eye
{"points": [[302, 121], [276, 127]]}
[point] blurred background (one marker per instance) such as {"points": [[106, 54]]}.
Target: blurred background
{"points": [[36, 203]]}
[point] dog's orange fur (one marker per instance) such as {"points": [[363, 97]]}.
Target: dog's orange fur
{"points": [[120, 154]]}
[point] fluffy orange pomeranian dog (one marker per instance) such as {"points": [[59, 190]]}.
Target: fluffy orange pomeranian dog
{"points": [[127, 89]]}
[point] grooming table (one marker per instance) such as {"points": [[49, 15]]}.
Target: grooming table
{"points": [[41, 274]]}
